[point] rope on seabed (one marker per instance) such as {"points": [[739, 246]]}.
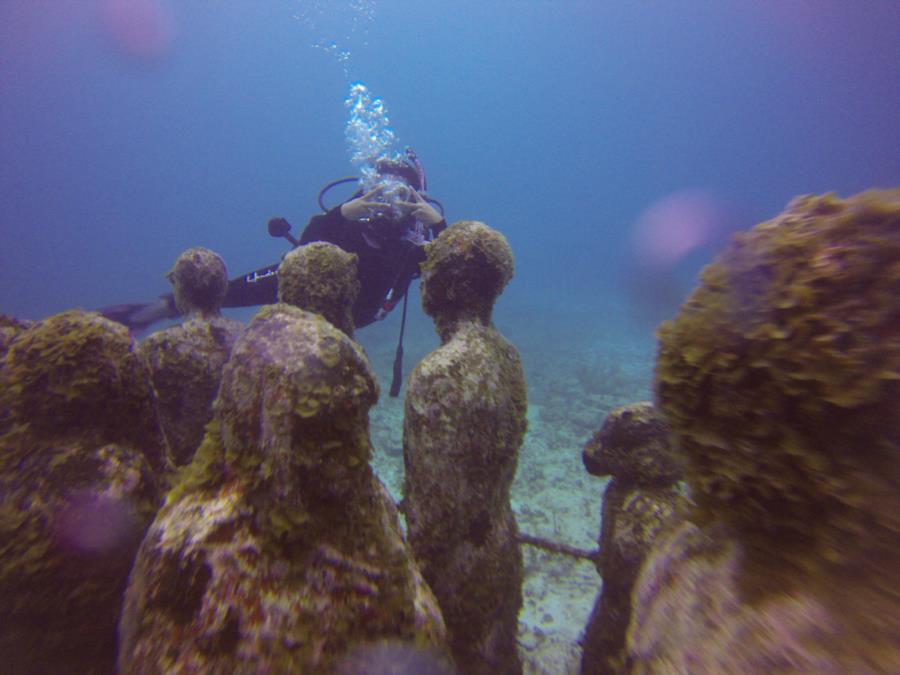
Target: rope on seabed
{"points": [[554, 547], [540, 542]]}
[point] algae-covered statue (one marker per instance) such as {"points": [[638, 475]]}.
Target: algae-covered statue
{"points": [[780, 380], [321, 278], [640, 500], [187, 360], [81, 457], [278, 550], [465, 419], [10, 326]]}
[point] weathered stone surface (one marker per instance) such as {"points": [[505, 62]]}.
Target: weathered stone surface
{"points": [[81, 453], [780, 380], [640, 501], [200, 281], [320, 278], [278, 550], [634, 445], [465, 419], [187, 360]]}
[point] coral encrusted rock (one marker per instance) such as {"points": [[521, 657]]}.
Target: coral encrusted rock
{"points": [[642, 498], [187, 360], [278, 550], [81, 456], [780, 380], [465, 419], [321, 278]]}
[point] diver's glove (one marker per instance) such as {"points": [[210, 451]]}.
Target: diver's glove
{"points": [[137, 316]]}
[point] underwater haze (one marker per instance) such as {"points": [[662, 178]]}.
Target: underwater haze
{"points": [[616, 145], [132, 130]]}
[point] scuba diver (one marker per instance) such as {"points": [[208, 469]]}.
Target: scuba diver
{"points": [[385, 227]]}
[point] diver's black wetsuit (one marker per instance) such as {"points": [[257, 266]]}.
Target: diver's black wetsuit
{"points": [[387, 263]]}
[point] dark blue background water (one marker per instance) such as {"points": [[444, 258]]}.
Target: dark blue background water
{"points": [[558, 123]]}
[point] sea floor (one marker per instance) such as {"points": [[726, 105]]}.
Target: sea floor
{"points": [[571, 390]]}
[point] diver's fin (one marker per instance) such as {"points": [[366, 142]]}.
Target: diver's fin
{"points": [[138, 316]]}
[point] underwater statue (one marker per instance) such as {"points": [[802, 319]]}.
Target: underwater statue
{"points": [[321, 278], [640, 500], [465, 420], [187, 360], [278, 550], [10, 326], [780, 381], [82, 455]]}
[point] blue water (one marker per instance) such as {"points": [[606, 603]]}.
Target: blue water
{"points": [[616, 144], [558, 123]]}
